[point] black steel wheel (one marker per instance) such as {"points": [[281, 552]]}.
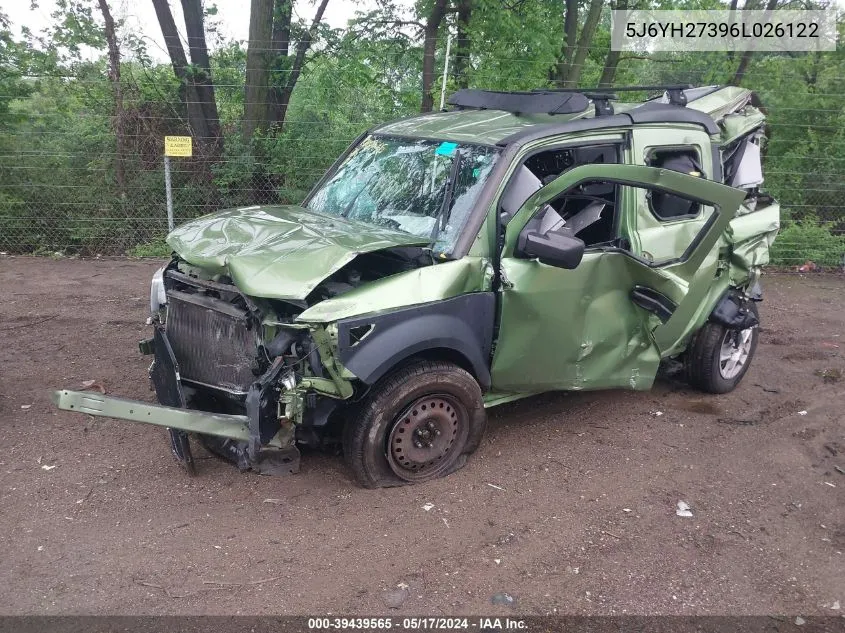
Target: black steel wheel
{"points": [[424, 439], [419, 423]]}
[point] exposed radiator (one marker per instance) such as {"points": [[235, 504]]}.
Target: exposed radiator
{"points": [[211, 341]]}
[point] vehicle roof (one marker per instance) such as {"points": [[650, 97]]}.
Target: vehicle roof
{"points": [[489, 127]]}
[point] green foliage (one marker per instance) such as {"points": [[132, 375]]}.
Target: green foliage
{"points": [[515, 49], [58, 180], [14, 60], [156, 248], [809, 240]]}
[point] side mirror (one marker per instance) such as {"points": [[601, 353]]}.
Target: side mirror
{"points": [[555, 248]]}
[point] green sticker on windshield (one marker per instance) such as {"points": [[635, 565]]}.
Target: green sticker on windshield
{"points": [[446, 149]]}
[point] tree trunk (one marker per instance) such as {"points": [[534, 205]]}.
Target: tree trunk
{"points": [[584, 41], [432, 26], [745, 60], [731, 12], [117, 89], [201, 73], [741, 68], [187, 90], [282, 15], [282, 95], [462, 43], [608, 73], [611, 60], [258, 57], [570, 35]]}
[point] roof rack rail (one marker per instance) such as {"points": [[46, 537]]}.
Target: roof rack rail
{"points": [[534, 102], [675, 91], [601, 102], [559, 100]]}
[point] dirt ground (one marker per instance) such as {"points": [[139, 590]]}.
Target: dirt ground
{"points": [[569, 505]]}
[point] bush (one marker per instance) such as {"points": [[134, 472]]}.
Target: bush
{"points": [[808, 239], [156, 248]]}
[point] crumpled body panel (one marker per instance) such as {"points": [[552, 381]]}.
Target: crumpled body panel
{"points": [[423, 285], [599, 339], [750, 235], [279, 252]]}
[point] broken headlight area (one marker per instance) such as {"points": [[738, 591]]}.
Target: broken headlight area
{"points": [[158, 296], [219, 351]]}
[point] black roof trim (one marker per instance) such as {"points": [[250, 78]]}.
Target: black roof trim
{"points": [[653, 112], [647, 113], [521, 102]]}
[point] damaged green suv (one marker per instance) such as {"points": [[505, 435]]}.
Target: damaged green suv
{"points": [[515, 244]]}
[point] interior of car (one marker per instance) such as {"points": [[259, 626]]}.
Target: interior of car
{"points": [[666, 206], [587, 212]]}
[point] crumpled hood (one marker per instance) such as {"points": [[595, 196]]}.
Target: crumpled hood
{"points": [[279, 252]]}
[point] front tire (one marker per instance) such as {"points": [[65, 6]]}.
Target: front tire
{"points": [[418, 423], [719, 357]]}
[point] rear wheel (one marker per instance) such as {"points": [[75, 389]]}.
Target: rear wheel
{"points": [[719, 357], [418, 424]]}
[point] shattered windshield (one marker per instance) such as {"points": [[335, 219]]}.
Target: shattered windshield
{"points": [[426, 188]]}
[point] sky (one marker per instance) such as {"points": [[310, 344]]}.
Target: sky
{"points": [[139, 16]]}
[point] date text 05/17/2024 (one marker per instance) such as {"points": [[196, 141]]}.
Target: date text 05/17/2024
{"points": [[416, 624]]}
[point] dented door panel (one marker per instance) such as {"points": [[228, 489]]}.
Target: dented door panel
{"points": [[573, 329], [579, 329]]}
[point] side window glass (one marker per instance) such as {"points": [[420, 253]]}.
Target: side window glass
{"points": [[667, 206]]}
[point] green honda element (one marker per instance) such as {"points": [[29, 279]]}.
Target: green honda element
{"points": [[515, 244]]}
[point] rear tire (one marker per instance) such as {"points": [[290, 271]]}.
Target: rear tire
{"points": [[418, 423], [719, 357]]}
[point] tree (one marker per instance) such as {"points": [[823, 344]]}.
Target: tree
{"points": [[462, 43], [197, 88], [745, 59], [271, 71], [258, 58], [282, 19], [117, 90], [281, 93], [432, 27], [576, 48], [611, 60], [13, 67]]}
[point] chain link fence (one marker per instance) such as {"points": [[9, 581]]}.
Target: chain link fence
{"points": [[67, 185]]}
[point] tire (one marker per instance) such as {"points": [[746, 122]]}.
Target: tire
{"points": [[707, 370], [420, 422]]}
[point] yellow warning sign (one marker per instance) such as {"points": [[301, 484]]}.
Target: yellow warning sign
{"points": [[178, 146]]}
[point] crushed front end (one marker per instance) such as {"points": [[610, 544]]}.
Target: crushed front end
{"points": [[220, 351]]}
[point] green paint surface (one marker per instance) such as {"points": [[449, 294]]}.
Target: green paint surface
{"points": [[279, 252]]}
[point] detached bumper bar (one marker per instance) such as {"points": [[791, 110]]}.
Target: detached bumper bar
{"points": [[251, 441], [233, 430], [235, 427]]}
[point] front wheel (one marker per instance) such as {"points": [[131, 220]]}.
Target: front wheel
{"points": [[419, 423], [719, 357]]}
